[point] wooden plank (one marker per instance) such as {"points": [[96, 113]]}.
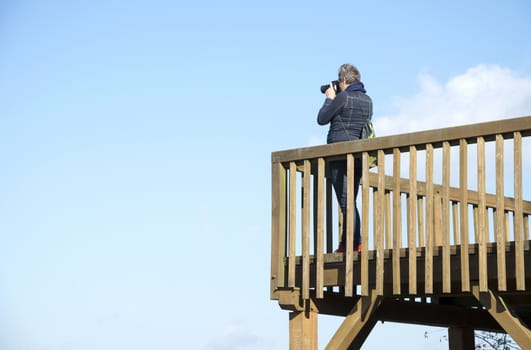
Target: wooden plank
{"points": [[463, 184], [475, 218], [526, 228], [446, 218], [278, 227], [420, 139], [379, 225], [329, 217], [365, 227], [482, 216], [487, 225], [428, 257], [292, 223], [437, 219], [388, 223], [507, 227], [306, 230], [319, 203], [412, 221], [420, 221], [397, 225], [518, 214], [349, 244], [329, 220], [500, 220], [455, 221]]}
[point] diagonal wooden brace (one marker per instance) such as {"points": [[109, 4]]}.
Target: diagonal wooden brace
{"points": [[357, 325], [495, 305]]}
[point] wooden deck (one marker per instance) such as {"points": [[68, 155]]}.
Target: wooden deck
{"points": [[455, 215]]}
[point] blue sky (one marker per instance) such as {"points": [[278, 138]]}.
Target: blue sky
{"points": [[135, 142]]}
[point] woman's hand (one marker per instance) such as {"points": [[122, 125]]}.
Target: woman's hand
{"points": [[330, 92]]}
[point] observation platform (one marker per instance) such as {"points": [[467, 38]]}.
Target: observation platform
{"points": [[445, 235]]}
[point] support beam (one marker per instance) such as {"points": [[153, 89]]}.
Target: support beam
{"points": [[461, 338], [303, 329], [449, 315], [357, 325], [500, 312]]}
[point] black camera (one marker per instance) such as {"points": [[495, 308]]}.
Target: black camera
{"points": [[335, 85]]}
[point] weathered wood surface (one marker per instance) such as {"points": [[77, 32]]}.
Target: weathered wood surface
{"points": [[428, 238]]}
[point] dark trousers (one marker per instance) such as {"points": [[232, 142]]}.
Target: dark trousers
{"points": [[338, 177]]}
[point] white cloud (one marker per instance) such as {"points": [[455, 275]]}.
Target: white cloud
{"points": [[482, 93], [237, 337]]}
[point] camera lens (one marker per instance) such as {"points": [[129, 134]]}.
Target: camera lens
{"points": [[335, 85]]}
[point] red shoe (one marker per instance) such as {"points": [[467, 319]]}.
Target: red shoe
{"points": [[341, 249]]}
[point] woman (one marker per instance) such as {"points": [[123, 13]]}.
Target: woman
{"points": [[346, 111]]}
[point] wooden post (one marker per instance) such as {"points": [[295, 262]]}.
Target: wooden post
{"points": [[306, 230], [278, 227], [461, 338], [303, 328]]}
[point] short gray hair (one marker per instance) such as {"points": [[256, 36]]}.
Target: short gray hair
{"points": [[349, 74]]}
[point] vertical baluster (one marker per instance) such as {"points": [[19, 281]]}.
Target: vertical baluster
{"points": [[365, 227], [306, 230], [379, 224], [428, 255], [350, 228], [278, 227], [475, 217], [500, 210], [420, 221], [507, 227], [329, 216], [319, 183], [397, 226], [518, 213], [463, 184], [482, 217], [455, 221], [292, 222], [388, 227], [526, 227], [446, 219], [412, 234], [329, 219]]}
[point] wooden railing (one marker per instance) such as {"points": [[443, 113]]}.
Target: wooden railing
{"points": [[461, 190]]}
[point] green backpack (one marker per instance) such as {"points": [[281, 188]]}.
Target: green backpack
{"points": [[367, 132]]}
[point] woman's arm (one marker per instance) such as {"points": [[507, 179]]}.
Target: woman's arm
{"points": [[330, 108]]}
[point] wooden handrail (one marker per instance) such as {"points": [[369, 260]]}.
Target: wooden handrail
{"points": [[488, 131]]}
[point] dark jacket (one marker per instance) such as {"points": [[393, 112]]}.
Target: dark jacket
{"points": [[346, 113]]}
